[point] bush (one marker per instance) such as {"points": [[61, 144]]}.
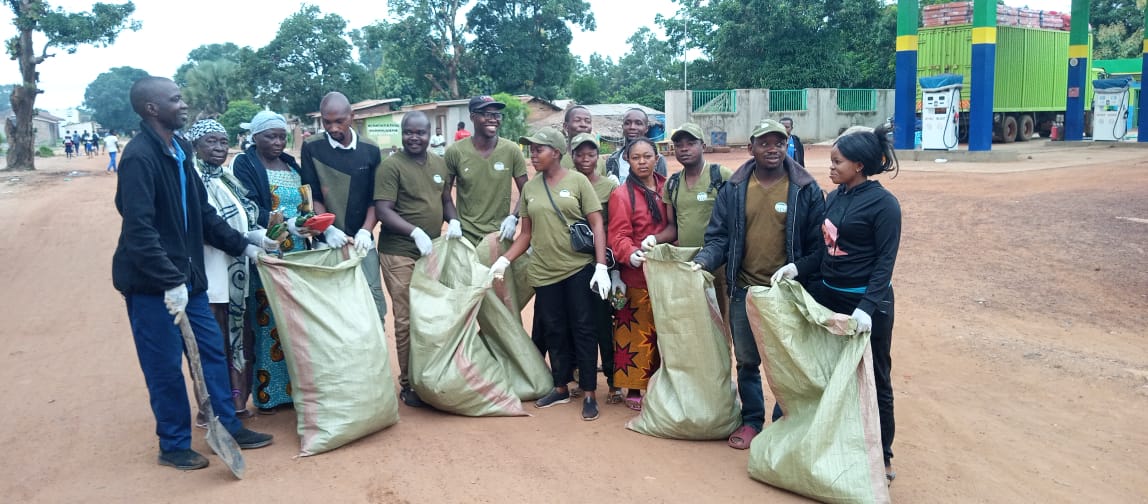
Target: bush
{"points": [[513, 117], [45, 151]]}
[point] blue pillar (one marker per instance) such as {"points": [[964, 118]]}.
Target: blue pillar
{"points": [[1078, 72], [982, 77], [905, 100]]}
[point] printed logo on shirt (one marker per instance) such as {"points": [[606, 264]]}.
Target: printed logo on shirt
{"points": [[564, 193], [780, 207], [703, 196], [438, 179], [498, 166]]}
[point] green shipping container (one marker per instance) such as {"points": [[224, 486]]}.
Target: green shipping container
{"points": [[1031, 65]]}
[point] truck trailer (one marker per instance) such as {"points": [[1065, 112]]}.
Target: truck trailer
{"points": [[1031, 77]]}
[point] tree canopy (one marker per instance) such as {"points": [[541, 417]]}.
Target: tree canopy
{"points": [[107, 98]]}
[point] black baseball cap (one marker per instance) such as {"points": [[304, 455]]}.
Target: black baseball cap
{"points": [[480, 103]]}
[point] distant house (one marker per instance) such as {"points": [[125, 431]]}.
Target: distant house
{"points": [[89, 126], [44, 126]]}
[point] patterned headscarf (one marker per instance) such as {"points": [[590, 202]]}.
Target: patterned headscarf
{"points": [[203, 127], [264, 121]]}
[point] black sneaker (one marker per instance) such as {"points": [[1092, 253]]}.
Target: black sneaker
{"points": [[554, 397], [184, 460], [411, 398], [249, 439], [589, 409]]}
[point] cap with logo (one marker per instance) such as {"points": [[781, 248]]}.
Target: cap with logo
{"points": [[582, 138], [690, 129], [548, 136], [766, 127], [480, 103]]}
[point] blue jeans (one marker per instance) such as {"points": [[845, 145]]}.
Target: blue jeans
{"points": [[748, 363], [159, 346]]}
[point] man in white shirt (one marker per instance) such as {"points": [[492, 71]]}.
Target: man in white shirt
{"points": [[112, 145], [438, 142]]}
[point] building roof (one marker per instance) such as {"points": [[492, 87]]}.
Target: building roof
{"points": [[618, 109], [1125, 66], [365, 107]]}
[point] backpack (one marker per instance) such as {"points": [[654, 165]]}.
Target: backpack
{"points": [[676, 180]]}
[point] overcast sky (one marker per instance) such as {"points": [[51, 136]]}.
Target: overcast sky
{"points": [[169, 33]]}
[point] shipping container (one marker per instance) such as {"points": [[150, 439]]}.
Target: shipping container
{"points": [[1030, 75]]}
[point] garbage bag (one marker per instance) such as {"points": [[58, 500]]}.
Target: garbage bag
{"points": [[334, 345], [828, 444], [469, 353], [691, 396], [515, 291]]}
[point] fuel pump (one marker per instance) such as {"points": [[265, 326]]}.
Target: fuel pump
{"points": [[940, 111], [1110, 109]]}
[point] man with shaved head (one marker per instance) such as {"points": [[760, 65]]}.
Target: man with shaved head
{"points": [[341, 167], [412, 200], [158, 267]]}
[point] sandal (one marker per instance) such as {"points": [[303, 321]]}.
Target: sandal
{"points": [[742, 437], [634, 403], [615, 397]]}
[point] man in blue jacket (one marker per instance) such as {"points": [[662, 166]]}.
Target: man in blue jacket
{"points": [[158, 266], [765, 226]]}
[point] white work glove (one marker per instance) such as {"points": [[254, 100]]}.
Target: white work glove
{"points": [[864, 322], [695, 266], [637, 258], [252, 252], [600, 281], [614, 178], [453, 229], [498, 269], [335, 237], [529, 251], [616, 283], [506, 230], [175, 299], [363, 241], [259, 238], [648, 243], [787, 272], [422, 241]]}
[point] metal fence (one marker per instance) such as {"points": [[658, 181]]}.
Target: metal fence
{"points": [[788, 99], [720, 101], [856, 100]]}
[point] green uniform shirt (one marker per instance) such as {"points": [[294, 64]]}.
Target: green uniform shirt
{"points": [[765, 210], [417, 192], [553, 259], [603, 187], [693, 206], [483, 194]]}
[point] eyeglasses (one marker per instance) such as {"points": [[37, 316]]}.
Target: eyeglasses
{"points": [[491, 115]]}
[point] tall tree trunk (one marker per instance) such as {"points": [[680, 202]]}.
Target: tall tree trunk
{"points": [[21, 155]]}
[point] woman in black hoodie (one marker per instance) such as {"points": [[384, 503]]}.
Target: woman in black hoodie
{"points": [[862, 231]]}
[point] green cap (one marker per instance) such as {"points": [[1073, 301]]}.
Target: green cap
{"points": [[546, 136], [582, 138], [768, 126], [690, 129]]}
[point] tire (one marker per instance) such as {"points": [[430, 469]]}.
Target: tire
{"points": [[1008, 129], [1025, 128]]}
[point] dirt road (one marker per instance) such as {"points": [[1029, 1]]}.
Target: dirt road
{"points": [[1020, 364]]}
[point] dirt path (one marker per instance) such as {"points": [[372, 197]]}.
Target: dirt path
{"points": [[1019, 358]]}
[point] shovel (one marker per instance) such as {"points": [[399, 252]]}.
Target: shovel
{"points": [[218, 438]]}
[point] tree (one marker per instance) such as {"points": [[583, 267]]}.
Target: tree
{"points": [[211, 85], [524, 45], [308, 58], [1111, 41], [649, 69], [513, 117], [428, 43], [238, 112], [210, 52], [107, 98], [63, 30]]}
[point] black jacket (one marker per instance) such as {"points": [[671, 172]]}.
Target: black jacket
{"points": [[155, 251], [862, 244], [798, 150], [251, 172], [725, 240]]}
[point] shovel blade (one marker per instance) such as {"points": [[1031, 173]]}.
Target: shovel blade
{"points": [[225, 447]]}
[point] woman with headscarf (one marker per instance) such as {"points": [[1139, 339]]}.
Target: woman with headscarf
{"points": [[226, 274], [272, 179], [639, 219]]}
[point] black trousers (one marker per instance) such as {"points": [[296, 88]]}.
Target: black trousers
{"points": [[565, 318], [881, 339]]}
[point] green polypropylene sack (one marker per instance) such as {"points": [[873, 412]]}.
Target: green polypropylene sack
{"points": [[469, 353], [691, 396], [828, 444], [334, 345], [515, 290]]}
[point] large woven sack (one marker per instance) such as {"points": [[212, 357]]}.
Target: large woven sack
{"points": [[691, 396], [515, 290], [334, 344], [469, 353], [828, 444]]}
